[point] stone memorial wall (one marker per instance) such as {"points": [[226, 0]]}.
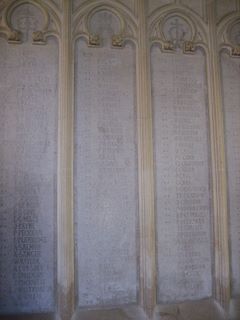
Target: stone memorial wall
{"points": [[231, 98], [119, 159], [106, 169], [28, 145], [183, 205]]}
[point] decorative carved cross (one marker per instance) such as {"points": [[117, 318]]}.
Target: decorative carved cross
{"points": [[177, 33]]}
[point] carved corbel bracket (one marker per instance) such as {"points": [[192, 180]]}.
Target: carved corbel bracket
{"points": [[94, 40], [14, 36], [189, 47], [168, 46], [39, 37], [117, 41], [236, 51]]}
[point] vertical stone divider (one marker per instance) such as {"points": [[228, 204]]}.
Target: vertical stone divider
{"points": [[238, 5], [145, 166], [220, 209], [65, 223]]}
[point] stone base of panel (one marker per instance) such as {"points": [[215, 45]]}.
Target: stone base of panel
{"points": [[234, 309], [202, 310], [123, 313], [42, 316]]}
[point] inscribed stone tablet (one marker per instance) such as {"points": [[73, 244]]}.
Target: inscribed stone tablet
{"points": [[105, 170], [231, 99], [28, 115], [182, 176]]}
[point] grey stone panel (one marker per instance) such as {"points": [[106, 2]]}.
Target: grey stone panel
{"points": [[28, 145], [183, 197], [231, 101], [105, 169]]}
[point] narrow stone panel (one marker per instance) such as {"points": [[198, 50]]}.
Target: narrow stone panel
{"points": [[28, 144], [105, 169], [183, 203], [231, 101]]}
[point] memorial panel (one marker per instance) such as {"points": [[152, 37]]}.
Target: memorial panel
{"points": [[105, 169], [28, 118], [183, 203], [231, 101]]}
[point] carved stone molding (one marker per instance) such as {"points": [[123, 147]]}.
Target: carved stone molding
{"points": [[174, 33], [236, 51], [173, 29], [117, 41], [14, 36], [82, 23], [233, 34], [93, 40], [51, 21], [228, 43], [229, 34]]}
